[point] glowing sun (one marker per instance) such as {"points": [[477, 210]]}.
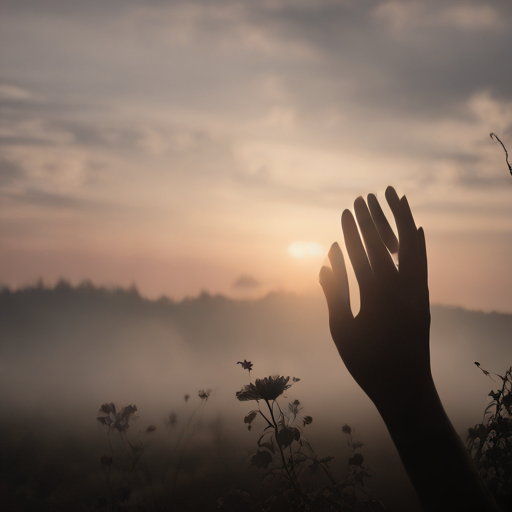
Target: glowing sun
{"points": [[302, 250]]}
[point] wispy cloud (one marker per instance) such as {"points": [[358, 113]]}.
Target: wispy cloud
{"points": [[234, 114], [44, 199]]}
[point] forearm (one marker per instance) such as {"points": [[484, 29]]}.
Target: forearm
{"points": [[440, 469], [386, 349]]}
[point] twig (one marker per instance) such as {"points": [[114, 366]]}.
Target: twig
{"points": [[493, 135], [485, 372]]}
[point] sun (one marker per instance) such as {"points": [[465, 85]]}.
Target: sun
{"points": [[301, 250]]}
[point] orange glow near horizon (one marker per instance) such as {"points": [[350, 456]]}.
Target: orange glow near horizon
{"points": [[219, 154], [302, 250]]}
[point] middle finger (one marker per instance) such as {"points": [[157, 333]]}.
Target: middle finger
{"points": [[380, 259]]}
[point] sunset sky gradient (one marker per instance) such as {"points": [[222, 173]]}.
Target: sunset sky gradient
{"points": [[184, 145]]}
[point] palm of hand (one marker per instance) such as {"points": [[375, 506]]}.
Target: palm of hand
{"points": [[386, 346]]}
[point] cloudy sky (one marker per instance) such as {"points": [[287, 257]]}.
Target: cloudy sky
{"points": [[187, 144]]}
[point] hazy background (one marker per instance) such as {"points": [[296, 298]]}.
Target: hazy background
{"points": [[182, 144]]}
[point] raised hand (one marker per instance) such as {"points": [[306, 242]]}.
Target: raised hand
{"points": [[386, 349], [386, 346]]}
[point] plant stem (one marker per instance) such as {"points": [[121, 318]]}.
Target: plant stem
{"points": [[276, 429], [109, 437], [261, 412]]}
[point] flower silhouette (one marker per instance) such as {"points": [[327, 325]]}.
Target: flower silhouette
{"points": [[346, 429], [118, 420], [246, 365], [485, 372], [267, 389], [204, 395]]}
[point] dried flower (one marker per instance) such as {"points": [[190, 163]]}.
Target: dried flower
{"points": [[346, 429], [246, 365], [267, 389], [118, 420], [171, 419], [485, 372], [203, 395], [108, 408], [294, 408]]}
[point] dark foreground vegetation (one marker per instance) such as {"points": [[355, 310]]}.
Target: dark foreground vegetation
{"points": [[178, 438]]}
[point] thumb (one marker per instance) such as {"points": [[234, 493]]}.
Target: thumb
{"points": [[339, 310]]}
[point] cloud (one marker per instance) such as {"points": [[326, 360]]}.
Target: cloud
{"points": [[13, 93], [245, 281], [222, 109], [10, 172], [366, 62], [41, 198]]}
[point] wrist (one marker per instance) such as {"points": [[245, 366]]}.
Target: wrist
{"points": [[414, 399]]}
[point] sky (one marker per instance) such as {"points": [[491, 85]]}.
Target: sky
{"points": [[185, 145]]}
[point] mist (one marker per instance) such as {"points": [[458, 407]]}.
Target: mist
{"points": [[66, 350]]}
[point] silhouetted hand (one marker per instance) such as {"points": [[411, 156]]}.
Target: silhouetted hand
{"points": [[386, 346], [386, 349]]}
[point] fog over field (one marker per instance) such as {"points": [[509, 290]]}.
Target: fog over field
{"points": [[189, 145], [67, 350]]}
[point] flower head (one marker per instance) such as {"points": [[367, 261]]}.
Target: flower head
{"points": [[346, 429], [113, 419], [204, 395], [267, 389], [171, 420], [246, 365]]}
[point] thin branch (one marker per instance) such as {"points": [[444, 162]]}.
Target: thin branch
{"points": [[493, 135]]}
